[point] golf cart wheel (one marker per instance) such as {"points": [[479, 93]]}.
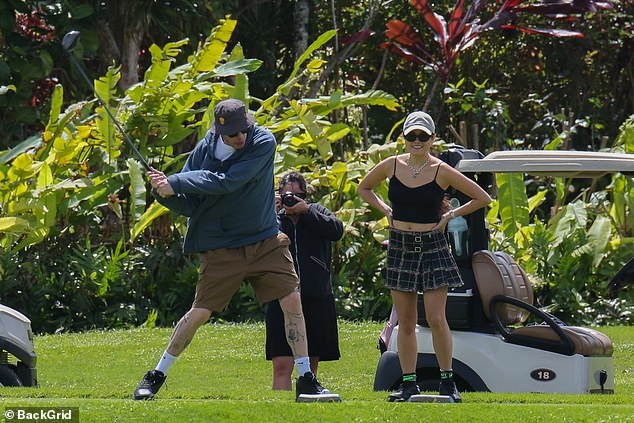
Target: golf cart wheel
{"points": [[8, 377]]}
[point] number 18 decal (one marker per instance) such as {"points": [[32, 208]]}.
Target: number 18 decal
{"points": [[543, 375]]}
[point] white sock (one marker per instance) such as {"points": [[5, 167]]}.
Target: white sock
{"points": [[165, 362], [302, 365]]}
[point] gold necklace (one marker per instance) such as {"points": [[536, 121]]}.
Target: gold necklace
{"points": [[416, 171]]}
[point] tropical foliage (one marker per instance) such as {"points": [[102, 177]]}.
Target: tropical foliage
{"points": [[76, 182], [464, 28], [574, 251], [85, 246]]}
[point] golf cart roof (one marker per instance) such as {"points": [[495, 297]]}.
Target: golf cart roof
{"points": [[570, 164]]}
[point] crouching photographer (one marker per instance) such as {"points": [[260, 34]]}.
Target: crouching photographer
{"points": [[311, 229]]}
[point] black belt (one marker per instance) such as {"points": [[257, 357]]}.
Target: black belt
{"points": [[408, 238]]}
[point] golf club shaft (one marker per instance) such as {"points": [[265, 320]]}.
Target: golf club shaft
{"points": [[105, 106]]}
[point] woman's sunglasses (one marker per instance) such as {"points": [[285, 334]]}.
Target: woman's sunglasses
{"points": [[422, 137]]}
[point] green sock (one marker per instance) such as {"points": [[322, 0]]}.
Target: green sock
{"points": [[446, 374], [409, 377]]}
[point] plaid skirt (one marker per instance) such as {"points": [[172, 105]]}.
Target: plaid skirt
{"points": [[420, 261]]}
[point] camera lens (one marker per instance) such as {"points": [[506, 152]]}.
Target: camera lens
{"points": [[288, 199]]}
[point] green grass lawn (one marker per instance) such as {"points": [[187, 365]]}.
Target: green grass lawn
{"points": [[223, 376]]}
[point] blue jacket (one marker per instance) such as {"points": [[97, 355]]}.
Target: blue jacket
{"points": [[229, 203]]}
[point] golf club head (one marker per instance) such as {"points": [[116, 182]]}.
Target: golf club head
{"points": [[69, 40]]}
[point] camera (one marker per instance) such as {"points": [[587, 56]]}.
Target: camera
{"points": [[288, 199]]}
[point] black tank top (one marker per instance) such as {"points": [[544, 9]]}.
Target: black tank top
{"points": [[420, 204]]}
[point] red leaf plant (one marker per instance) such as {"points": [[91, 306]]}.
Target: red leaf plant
{"points": [[464, 29]]}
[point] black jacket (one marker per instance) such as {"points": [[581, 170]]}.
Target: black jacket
{"points": [[311, 246]]}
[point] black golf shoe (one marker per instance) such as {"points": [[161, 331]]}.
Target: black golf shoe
{"points": [[448, 387], [406, 390], [150, 385], [308, 389]]}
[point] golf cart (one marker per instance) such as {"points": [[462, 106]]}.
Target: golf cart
{"points": [[493, 349], [17, 353]]}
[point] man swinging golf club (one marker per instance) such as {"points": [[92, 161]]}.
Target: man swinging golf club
{"points": [[226, 191]]}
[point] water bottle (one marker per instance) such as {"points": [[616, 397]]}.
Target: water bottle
{"points": [[457, 229]]}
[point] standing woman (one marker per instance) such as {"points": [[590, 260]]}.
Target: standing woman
{"points": [[419, 259]]}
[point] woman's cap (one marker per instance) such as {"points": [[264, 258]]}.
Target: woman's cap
{"points": [[421, 121]]}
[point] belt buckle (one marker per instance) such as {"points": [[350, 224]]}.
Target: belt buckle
{"points": [[418, 239]]}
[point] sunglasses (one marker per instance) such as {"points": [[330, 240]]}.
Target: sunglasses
{"points": [[244, 131], [422, 137]]}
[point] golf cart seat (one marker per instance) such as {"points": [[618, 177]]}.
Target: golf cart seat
{"points": [[507, 300]]}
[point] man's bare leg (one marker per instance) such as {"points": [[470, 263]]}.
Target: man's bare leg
{"points": [[186, 329], [181, 337], [307, 387], [294, 324]]}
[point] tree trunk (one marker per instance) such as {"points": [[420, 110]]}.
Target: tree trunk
{"points": [[341, 55], [130, 48], [127, 26], [108, 47], [301, 15]]}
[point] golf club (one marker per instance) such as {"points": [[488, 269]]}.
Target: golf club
{"points": [[68, 42]]}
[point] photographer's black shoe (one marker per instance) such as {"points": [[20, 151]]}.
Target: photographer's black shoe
{"points": [[406, 390], [448, 387], [150, 385]]}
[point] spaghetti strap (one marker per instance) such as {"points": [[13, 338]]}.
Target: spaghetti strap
{"points": [[437, 169], [395, 160]]}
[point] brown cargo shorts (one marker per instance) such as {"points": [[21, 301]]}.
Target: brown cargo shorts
{"points": [[267, 265]]}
